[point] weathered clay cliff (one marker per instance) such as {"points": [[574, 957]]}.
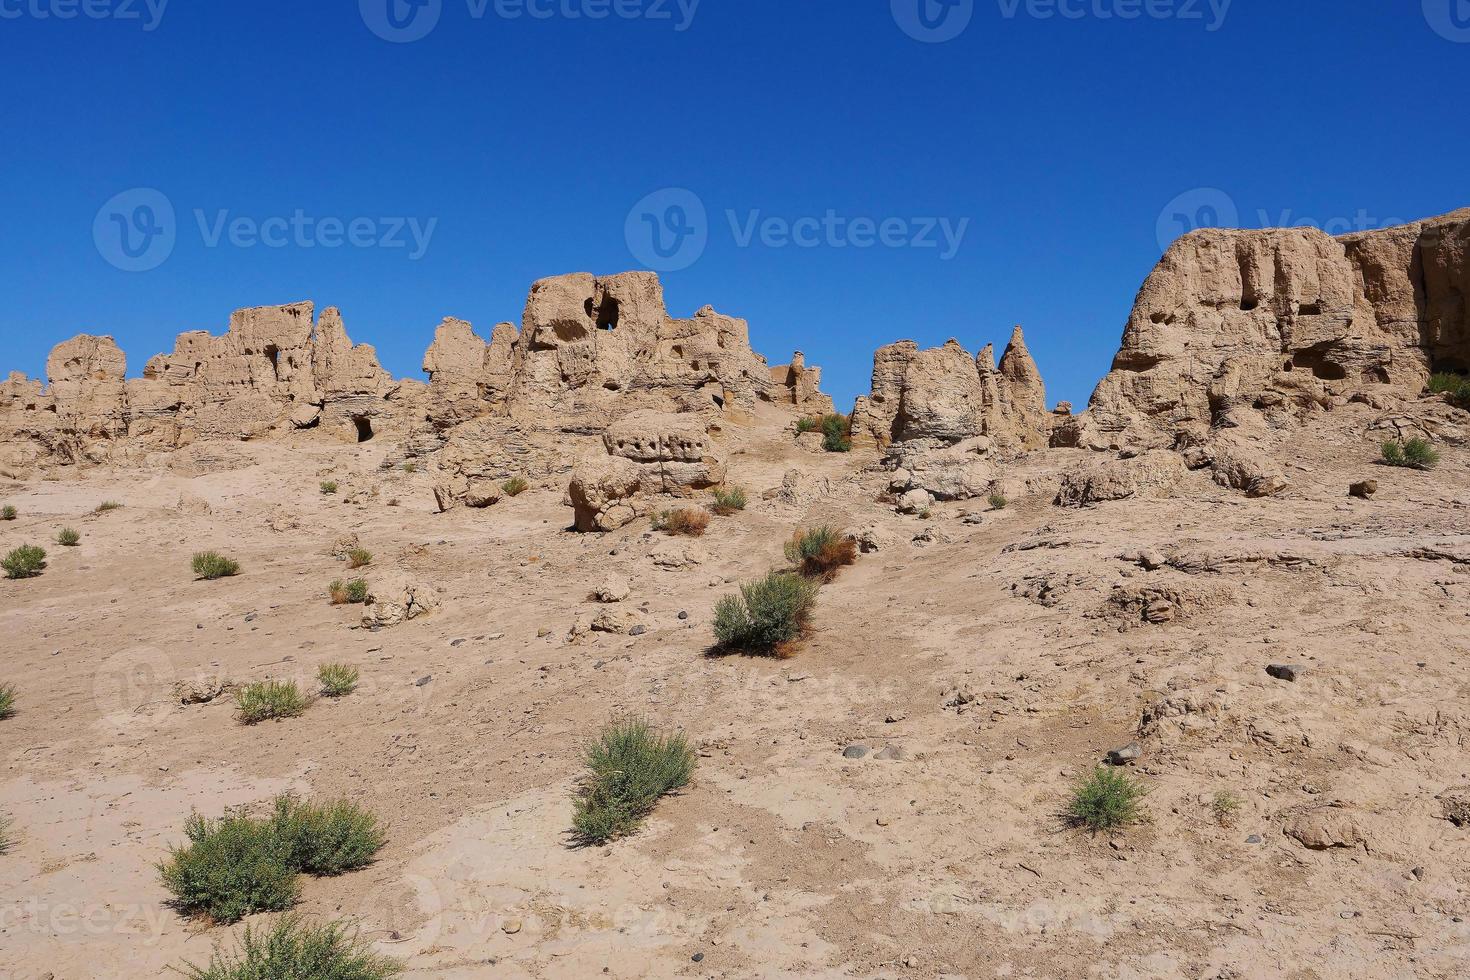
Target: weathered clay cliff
{"points": [[1282, 321]]}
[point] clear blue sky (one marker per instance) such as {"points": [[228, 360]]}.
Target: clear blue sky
{"points": [[528, 140]]}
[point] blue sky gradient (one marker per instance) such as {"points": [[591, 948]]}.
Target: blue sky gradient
{"points": [[1061, 136]]}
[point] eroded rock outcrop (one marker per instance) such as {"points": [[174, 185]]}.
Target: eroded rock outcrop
{"points": [[1282, 322], [589, 350], [648, 455], [273, 370], [945, 394]]}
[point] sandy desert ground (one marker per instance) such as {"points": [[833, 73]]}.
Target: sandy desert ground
{"points": [[987, 658]]}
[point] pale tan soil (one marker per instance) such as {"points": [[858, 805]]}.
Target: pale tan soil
{"points": [[782, 858]]}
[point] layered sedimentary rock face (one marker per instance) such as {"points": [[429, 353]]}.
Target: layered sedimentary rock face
{"points": [[948, 395], [1282, 319]]}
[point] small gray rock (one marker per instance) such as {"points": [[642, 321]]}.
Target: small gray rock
{"points": [[1128, 753], [854, 751], [891, 752], [423, 681], [1253, 839], [638, 631], [1286, 672]]}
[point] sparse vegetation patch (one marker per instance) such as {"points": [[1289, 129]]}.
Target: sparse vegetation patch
{"points": [[328, 487], [629, 767], [337, 680], [767, 616], [998, 501], [269, 699], [211, 565], [238, 865], [107, 506], [514, 487], [353, 593], [68, 537], [1455, 388], [686, 522], [359, 557], [1106, 800], [27, 561], [1416, 453], [7, 701], [821, 552], [294, 949], [8, 513], [728, 500]]}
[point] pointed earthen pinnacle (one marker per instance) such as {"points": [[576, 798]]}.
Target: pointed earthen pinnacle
{"points": [[1016, 363], [985, 362]]}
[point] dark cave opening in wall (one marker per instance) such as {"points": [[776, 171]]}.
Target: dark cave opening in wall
{"points": [[364, 427]]}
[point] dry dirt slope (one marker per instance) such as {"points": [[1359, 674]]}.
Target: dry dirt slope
{"points": [[999, 660]]}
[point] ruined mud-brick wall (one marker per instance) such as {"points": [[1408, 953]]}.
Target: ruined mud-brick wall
{"points": [[274, 369], [948, 395], [1283, 321], [588, 350]]}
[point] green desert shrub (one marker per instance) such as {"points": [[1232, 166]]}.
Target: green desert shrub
{"points": [[27, 561], [410, 468], [293, 949], [629, 767], [8, 513], [238, 865], [767, 616], [269, 699], [328, 487], [1455, 388], [1106, 800], [337, 680], [728, 500], [6, 840], [231, 867], [353, 593], [837, 434], [1414, 453], [820, 552], [358, 557], [211, 565], [998, 501], [328, 840], [1225, 806], [514, 487], [7, 701], [107, 506], [68, 537]]}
